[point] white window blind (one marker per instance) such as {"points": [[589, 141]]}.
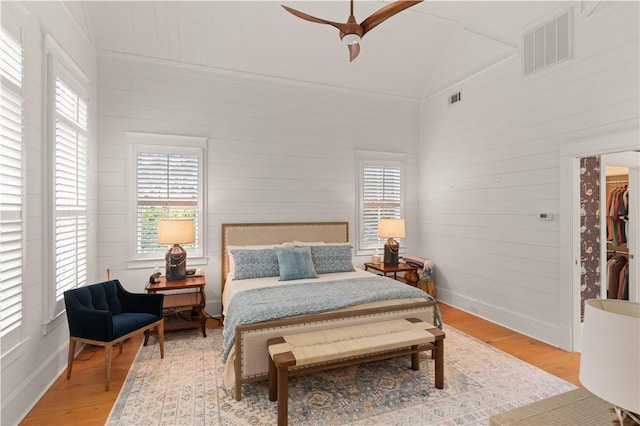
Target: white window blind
{"points": [[71, 112], [11, 190], [168, 184], [381, 198]]}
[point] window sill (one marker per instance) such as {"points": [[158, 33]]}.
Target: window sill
{"points": [[54, 323], [152, 263]]}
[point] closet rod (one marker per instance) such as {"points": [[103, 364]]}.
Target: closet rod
{"points": [[617, 181], [614, 251]]}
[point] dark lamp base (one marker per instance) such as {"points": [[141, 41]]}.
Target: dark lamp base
{"points": [[391, 254], [176, 263]]}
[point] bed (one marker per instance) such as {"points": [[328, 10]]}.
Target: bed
{"points": [[257, 308]]}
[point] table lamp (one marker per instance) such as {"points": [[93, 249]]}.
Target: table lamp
{"points": [[610, 359], [176, 232], [391, 228]]}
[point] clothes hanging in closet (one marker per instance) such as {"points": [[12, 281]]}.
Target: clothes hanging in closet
{"points": [[618, 278], [617, 215]]}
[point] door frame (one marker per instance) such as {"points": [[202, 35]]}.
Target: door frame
{"points": [[570, 154]]}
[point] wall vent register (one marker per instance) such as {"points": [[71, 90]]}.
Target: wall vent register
{"points": [[456, 97], [548, 44]]}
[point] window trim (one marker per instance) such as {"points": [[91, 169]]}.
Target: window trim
{"points": [[369, 158], [165, 143], [58, 65]]}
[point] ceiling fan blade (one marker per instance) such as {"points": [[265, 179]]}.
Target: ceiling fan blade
{"points": [[354, 50], [385, 13], [340, 26]]}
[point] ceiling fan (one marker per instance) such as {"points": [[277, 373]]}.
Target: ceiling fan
{"points": [[351, 32]]}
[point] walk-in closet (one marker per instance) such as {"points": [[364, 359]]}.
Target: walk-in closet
{"points": [[617, 231]]}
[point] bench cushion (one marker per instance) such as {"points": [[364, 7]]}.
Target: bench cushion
{"points": [[344, 342]]}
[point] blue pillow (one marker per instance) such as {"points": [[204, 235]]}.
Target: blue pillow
{"points": [[332, 258], [295, 263], [255, 264]]}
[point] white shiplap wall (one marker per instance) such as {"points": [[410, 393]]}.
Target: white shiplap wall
{"points": [[30, 368], [490, 165], [277, 152]]}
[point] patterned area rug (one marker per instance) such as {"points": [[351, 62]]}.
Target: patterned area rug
{"points": [[186, 388]]}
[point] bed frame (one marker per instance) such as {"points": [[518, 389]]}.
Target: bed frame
{"points": [[250, 349]]}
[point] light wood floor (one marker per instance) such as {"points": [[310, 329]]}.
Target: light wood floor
{"points": [[82, 399]]}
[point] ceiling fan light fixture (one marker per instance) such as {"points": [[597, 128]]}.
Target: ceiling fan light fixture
{"points": [[351, 32], [351, 39]]}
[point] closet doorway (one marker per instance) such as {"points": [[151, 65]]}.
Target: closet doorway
{"points": [[620, 149], [619, 230]]}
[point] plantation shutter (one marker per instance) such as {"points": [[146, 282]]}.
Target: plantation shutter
{"points": [[11, 189], [71, 113], [168, 185], [381, 198]]}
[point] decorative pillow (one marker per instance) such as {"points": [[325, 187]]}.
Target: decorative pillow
{"points": [[295, 263], [232, 262], [255, 263], [332, 258]]}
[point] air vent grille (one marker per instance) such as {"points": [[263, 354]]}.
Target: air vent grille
{"points": [[547, 44], [456, 97]]}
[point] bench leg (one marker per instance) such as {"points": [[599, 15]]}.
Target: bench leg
{"points": [[283, 396], [439, 361], [415, 358], [273, 377]]}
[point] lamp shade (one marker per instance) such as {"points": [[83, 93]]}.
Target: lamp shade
{"points": [[610, 359], [391, 228], [176, 231]]}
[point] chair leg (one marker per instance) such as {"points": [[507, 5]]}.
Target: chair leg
{"points": [[107, 365], [72, 353], [160, 331]]}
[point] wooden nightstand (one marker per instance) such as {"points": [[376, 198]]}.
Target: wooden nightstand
{"points": [[392, 269], [181, 300]]}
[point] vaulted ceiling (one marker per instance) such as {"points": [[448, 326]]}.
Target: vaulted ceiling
{"points": [[417, 52]]}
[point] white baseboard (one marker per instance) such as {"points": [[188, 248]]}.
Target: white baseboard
{"points": [[21, 401], [532, 327]]}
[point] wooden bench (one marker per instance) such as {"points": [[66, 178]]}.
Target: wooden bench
{"points": [[321, 350]]}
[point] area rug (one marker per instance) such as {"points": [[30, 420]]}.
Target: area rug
{"points": [[186, 388]]}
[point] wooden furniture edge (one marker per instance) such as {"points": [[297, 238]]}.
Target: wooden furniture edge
{"points": [[108, 346], [323, 317]]}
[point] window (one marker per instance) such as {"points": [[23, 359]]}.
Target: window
{"points": [[11, 190], [169, 183], [380, 194], [69, 169]]}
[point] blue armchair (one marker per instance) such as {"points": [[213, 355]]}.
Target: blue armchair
{"points": [[105, 314]]}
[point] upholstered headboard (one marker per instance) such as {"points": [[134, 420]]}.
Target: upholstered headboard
{"points": [[242, 234]]}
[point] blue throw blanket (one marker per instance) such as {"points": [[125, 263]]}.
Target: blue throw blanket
{"points": [[270, 303]]}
